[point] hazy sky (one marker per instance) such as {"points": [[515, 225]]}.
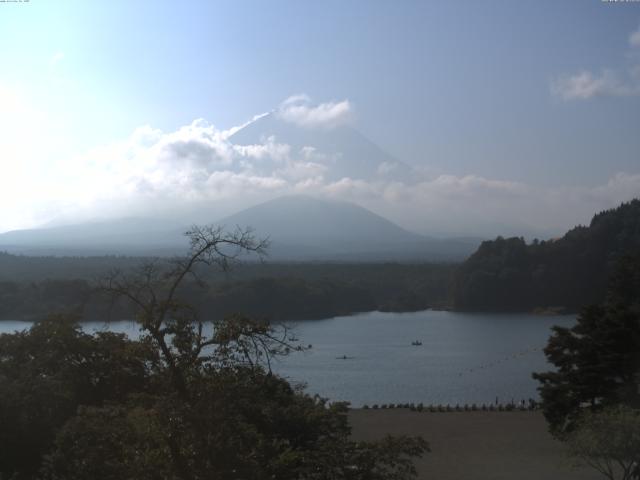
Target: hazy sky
{"points": [[517, 113]]}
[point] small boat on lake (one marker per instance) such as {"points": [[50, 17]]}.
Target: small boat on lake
{"points": [[416, 343]]}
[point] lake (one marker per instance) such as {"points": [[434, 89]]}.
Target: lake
{"points": [[464, 357]]}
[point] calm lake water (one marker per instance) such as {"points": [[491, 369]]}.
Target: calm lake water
{"points": [[464, 357]]}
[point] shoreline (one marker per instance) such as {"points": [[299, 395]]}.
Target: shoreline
{"points": [[541, 312]]}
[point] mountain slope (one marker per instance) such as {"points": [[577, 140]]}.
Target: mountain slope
{"points": [[310, 221], [126, 236], [303, 227], [300, 228]]}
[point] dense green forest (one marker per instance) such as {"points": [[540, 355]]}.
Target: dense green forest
{"points": [[562, 274], [31, 287]]}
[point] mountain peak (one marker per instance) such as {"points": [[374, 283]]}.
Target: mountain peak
{"points": [[337, 152], [303, 227], [307, 220]]}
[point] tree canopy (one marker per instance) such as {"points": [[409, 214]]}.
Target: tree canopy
{"points": [[598, 359], [565, 273], [191, 399], [609, 442], [32, 287]]}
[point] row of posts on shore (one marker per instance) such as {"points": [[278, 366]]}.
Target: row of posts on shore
{"points": [[522, 405]]}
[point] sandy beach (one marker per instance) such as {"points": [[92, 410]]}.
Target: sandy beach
{"points": [[476, 445]]}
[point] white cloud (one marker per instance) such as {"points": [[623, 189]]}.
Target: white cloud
{"points": [[354, 189], [472, 204], [196, 172], [56, 58], [608, 83], [585, 85], [312, 154], [473, 185], [299, 110], [295, 99], [634, 38], [302, 171], [269, 150]]}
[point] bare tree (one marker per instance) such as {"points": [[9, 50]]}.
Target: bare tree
{"points": [[186, 346], [210, 407], [175, 327]]}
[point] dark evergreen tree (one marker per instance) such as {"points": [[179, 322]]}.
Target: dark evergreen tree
{"points": [[598, 360]]}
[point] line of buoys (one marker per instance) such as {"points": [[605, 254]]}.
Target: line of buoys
{"points": [[523, 405]]}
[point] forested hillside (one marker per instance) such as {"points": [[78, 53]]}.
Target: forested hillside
{"points": [[562, 274], [31, 287]]}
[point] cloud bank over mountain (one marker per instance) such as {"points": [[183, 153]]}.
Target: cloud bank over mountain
{"points": [[203, 173]]}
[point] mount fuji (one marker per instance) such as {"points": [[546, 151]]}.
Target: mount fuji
{"points": [[336, 152], [299, 227]]}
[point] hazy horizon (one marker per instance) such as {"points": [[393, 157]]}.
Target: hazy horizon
{"points": [[447, 119]]}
